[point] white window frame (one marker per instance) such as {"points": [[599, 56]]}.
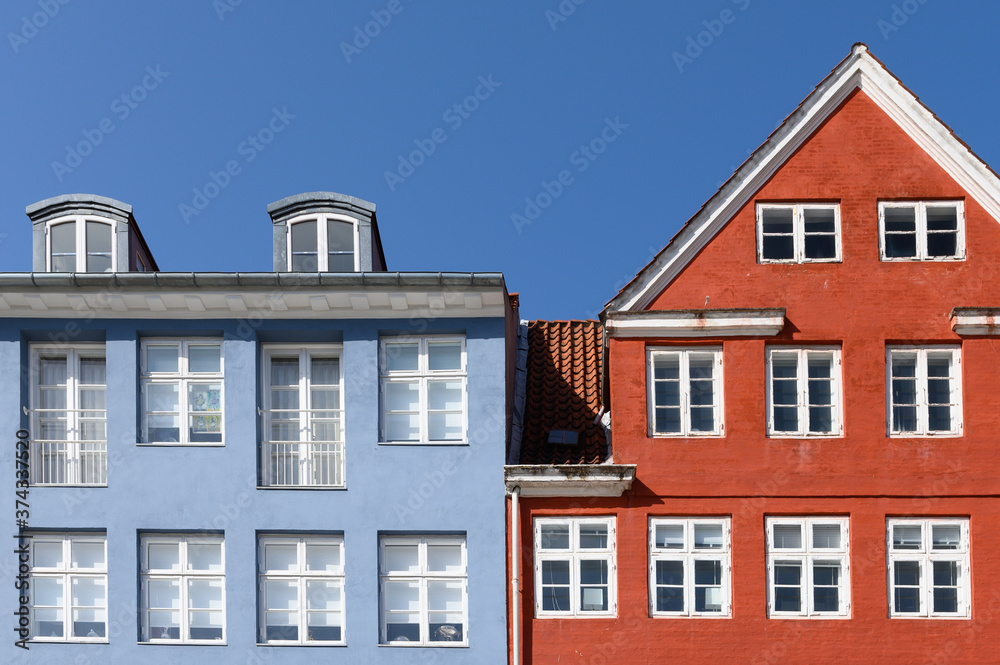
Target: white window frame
{"points": [[574, 554], [718, 406], [308, 453], [798, 231], [802, 391], [920, 217], [808, 556], [182, 577], [322, 239], [423, 375], [81, 240], [301, 576], [922, 405], [422, 577], [182, 378], [67, 573], [688, 554], [926, 556], [79, 468]]}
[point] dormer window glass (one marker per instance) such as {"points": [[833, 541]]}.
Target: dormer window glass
{"points": [[80, 244], [322, 244]]}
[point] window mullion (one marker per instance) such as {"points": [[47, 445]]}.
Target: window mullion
{"points": [[322, 252], [802, 378], [798, 234], [81, 244], [684, 379]]}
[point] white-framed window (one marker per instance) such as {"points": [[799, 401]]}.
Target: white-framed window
{"points": [[924, 390], [303, 417], [575, 566], [182, 391], [685, 391], [689, 567], [424, 591], [323, 243], [183, 581], [68, 587], [423, 389], [803, 392], [929, 573], [808, 567], [301, 585], [798, 233], [69, 415], [921, 230], [80, 244]]}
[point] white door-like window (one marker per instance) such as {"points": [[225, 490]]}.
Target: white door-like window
{"points": [[324, 243], [303, 417], [803, 392], [68, 588], [689, 567], [808, 567], [929, 574], [924, 391], [685, 392], [423, 383], [922, 230], [424, 591], [69, 415], [800, 233], [81, 244], [301, 589], [575, 566], [182, 390], [183, 589]]}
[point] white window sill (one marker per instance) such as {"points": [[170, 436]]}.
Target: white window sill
{"points": [[916, 435], [324, 488], [211, 643], [314, 643], [595, 615], [933, 617], [155, 444], [782, 435], [423, 443], [428, 645], [812, 617], [716, 615]]}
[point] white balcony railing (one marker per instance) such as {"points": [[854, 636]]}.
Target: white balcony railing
{"points": [[303, 463], [69, 462]]}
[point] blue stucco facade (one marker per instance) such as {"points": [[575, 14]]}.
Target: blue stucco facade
{"points": [[390, 489]]}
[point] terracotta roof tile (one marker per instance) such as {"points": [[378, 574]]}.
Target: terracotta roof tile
{"points": [[563, 392]]}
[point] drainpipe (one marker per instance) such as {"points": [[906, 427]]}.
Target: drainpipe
{"points": [[515, 581]]}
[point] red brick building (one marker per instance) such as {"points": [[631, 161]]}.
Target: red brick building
{"points": [[806, 382]]}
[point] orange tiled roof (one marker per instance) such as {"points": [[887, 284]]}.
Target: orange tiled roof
{"points": [[563, 392]]}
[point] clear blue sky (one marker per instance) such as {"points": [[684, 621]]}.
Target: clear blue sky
{"points": [[554, 85]]}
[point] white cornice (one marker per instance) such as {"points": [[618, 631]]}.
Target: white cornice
{"points": [[569, 480], [696, 323], [858, 71], [982, 321]]}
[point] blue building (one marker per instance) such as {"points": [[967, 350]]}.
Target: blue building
{"points": [[298, 466]]}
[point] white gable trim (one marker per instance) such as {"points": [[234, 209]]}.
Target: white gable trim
{"points": [[858, 71], [696, 323]]}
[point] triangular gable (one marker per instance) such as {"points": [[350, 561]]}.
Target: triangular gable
{"points": [[859, 70]]}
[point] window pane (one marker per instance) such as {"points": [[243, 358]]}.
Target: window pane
{"points": [[826, 536], [325, 371], [205, 358], [945, 599], [906, 537], [787, 593], [702, 419], [819, 220], [402, 559], [402, 396], [98, 247], [777, 220], [164, 625], [820, 419], [593, 536], [942, 244], [555, 573], [47, 590], [92, 371], [47, 554], [667, 393], [62, 240], [205, 594], [205, 625], [778, 247], [901, 245], [668, 420], [670, 599], [403, 357], [322, 558], [304, 247], [820, 247], [708, 536], [666, 366], [708, 599], [284, 372], [164, 594], [163, 556], [708, 572], [205, 556], [281, 626], [402, 596], [324, 626], [670, 536], [942, 218], [444, 395], [945, 573], [555, 536], [946, 536], [907, 573], [444, 356], [907, 599], [281, 594], [402, 427], [787, 536], [161, 358], [88, 555], [670, 573], [89, 623], [900, 219], [445, 427], [280, 557], [322, 595], [445, 559]]}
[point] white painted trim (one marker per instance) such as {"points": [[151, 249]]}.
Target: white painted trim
{"points": [[80, 239], [322, 238], [570, 480], [697, 323], [925, 556], [807, 556], [688, 554], [858, 71], [574, 554], [976, 321], [920, 230]]}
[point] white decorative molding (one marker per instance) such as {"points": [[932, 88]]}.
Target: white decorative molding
{"points": [[982, 321], [569, 480], [696, 323]]}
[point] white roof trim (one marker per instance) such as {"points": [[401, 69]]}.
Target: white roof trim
{"points": [[859, 70], [696, 323], [569, 480], [978, 321]]}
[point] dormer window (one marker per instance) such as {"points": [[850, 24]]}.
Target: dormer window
{"points": [[80, 244], [324, 243]]}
